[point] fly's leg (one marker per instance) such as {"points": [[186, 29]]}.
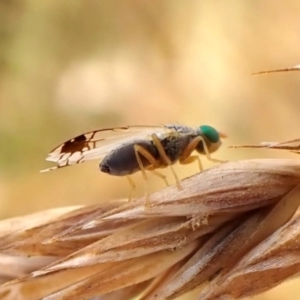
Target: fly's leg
{"points": [[186, 157], [192, 146], [165, 158], [207, 151], [133, 187], [191, 159], [163, 177], [139, 150]]}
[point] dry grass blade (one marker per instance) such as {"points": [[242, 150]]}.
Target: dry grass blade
{"points": [[227, 246], [184, 240], [125, 273], [125, 293], [12, 267], [270, 263], [295, 68], [21, 236], [292, 145]]}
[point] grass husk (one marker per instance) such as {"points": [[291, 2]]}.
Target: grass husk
{"points": [[232, 230]]}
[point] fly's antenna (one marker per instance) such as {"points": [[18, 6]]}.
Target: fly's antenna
{"points": [[223, 135]]}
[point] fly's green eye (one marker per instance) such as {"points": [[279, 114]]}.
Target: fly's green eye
{"points": [[210, 133]]}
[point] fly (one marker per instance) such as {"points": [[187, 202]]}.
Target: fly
{"points": [[123, 151]]}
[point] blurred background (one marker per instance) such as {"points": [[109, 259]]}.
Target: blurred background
{"points": [[67, 67]]}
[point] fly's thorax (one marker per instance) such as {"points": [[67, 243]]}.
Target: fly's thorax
{"points": [[180, 128], [174, 145]]}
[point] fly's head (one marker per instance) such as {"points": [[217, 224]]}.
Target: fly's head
{"points": [[211, 137]]}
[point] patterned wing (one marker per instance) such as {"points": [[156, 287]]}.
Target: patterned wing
{"points": [[97, 144]]}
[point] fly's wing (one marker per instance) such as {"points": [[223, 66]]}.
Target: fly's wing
{"points": [[97, 144]]}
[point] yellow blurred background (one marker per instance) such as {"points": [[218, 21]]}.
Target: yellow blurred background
{"points": [[67, 67]]}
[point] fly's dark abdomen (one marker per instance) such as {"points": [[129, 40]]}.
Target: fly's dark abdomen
{"points": [[122, 161]]}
